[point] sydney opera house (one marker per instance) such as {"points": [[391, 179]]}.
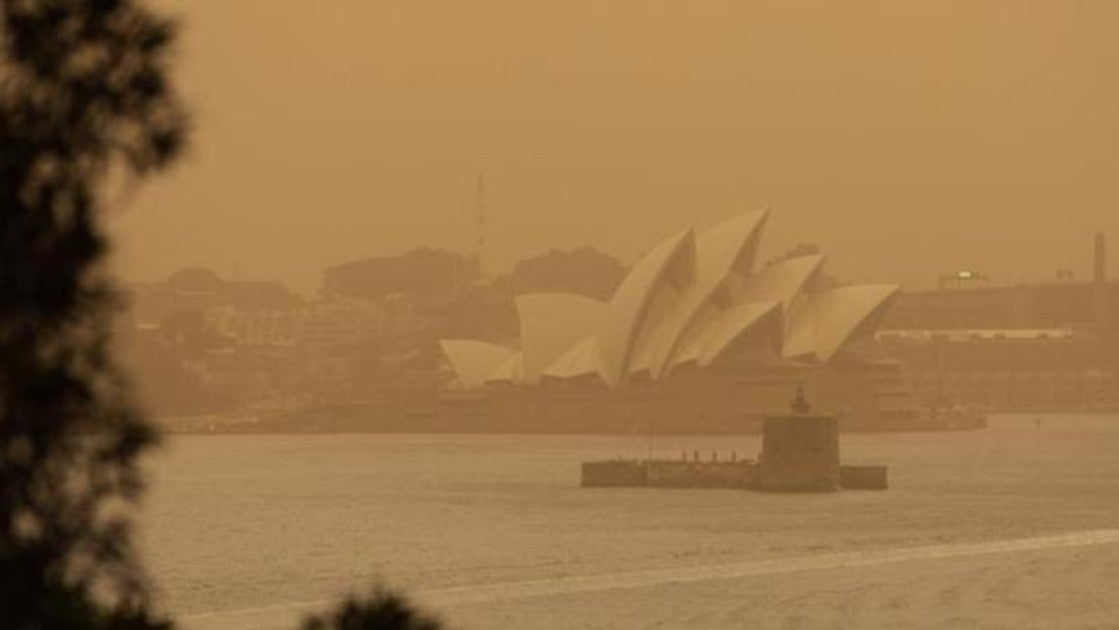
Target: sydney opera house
{"points": [[697, 338]]}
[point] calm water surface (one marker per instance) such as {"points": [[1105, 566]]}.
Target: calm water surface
{"points": [[241, 531]]}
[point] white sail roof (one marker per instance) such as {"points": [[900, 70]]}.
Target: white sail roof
{"points": [[671, 262], [550, 323], [729, 246], [688, 300], [733, 324], [510, 372], [831, 317], [800, 334], [841, 311], [583, 359], [725, 249], [475, 361], [654, 352], [783, 281]]}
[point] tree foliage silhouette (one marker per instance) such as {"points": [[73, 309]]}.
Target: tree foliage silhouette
{"points": [[383, 610], [83, 90]]}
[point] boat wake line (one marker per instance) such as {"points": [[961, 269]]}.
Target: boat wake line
{"points": [[656, 577]]}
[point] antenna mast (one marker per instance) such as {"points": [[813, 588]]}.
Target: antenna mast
{"points": [[479, 225]]}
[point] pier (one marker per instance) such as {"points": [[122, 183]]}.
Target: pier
{"points": [[800, 453]]}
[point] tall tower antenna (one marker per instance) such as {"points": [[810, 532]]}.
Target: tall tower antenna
{"points": [[1099, 282], [480, 224]]}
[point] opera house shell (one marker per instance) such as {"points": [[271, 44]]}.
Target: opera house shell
{"points": [[697, 338]]}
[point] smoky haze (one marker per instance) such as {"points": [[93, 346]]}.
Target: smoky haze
{"points": [[906, 139], [786, 312]]}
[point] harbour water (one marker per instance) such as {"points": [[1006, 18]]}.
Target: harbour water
{"points": [[1012, 525]]}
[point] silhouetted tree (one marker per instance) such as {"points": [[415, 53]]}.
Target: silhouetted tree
{"points": [[82, 89], [423, 271], [585, 271], [382, 610]]}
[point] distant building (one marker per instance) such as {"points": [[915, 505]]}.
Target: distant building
{"points": [[196, 290], [1052, 346], [1036, 306], [963, 279]]}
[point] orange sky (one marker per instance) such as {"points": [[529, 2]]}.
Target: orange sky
{"points": [[907, 138]]}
